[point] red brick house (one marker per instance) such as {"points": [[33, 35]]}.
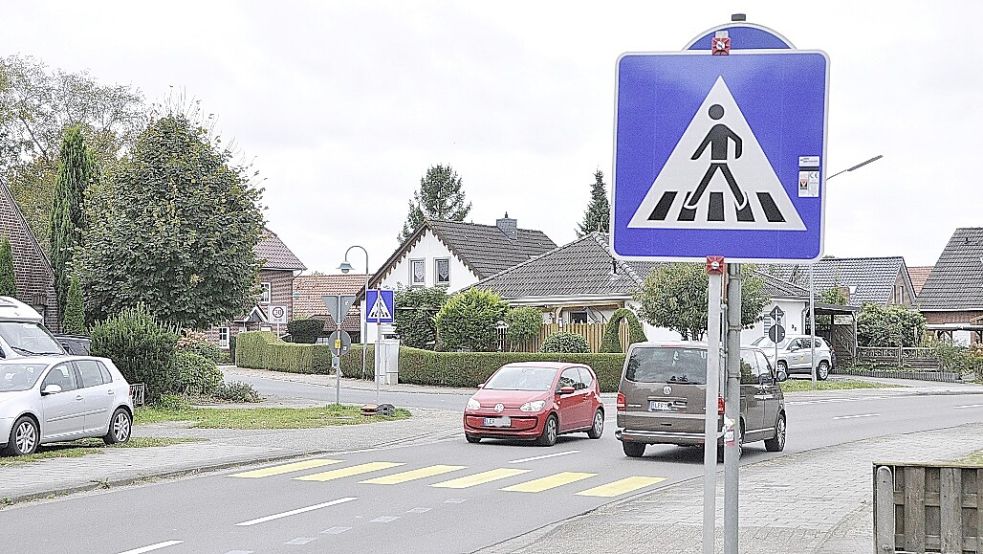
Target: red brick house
{"points": [[276, 281], [32, 271]]}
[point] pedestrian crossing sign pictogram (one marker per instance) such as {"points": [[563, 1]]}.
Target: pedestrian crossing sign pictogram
{"points": [[380, 306], [709, 154]]}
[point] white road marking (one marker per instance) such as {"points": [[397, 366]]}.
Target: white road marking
{"points": [[455, 501], [385, 519], [300, 541], [855, 416], [534, 458], [969, 406], [839, 400], [290, 513], [151, 548], [239, 552], [419, 510], [335, 530]]}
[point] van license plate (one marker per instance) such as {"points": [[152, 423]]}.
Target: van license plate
{"points": [[660, 406], [498, 422]]}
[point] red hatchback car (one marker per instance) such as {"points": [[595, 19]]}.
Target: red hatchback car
{"points": [[536, 401]]}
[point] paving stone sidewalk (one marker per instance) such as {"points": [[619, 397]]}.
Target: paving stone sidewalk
{"points": [[811, 502], [218, 448]]}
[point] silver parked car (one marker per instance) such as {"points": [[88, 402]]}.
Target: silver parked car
{"points": [[61, 398], [793, 356]]}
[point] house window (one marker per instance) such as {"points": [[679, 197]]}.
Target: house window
{"points": [[899, 294], [223, 337], [267, 293], [418, 272], [578, 317], [442, 271]]}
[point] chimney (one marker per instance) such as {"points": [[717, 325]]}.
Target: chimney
{"points": [[508, 226]]}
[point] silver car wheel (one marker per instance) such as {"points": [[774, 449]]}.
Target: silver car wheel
{"points": [[121, 427], [823, 371], [598, 423], [551, 430], [780, 433], [26, 437]]}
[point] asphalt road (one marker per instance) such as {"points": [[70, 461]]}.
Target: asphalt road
{"points": [[332, 509]]}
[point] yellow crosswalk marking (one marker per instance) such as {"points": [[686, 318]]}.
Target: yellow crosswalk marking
{"points": [[551, 482], [621, 486], [349, 471], [413, 475], [480, 478], [285, 468]]}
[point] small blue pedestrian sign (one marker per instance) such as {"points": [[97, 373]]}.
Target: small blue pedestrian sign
{"points": [[720, 156], [380, 306]]}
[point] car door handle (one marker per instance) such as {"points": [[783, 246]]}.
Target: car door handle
{"points": [[112, 393], [79, 397]]}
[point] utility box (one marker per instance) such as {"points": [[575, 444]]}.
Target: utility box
{"points": [[388, 366]]}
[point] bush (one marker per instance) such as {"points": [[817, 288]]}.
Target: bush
{"points": [[198, 375], [468, 321], [523, 324], [305, 331], [351, 363], [175, 402], [415, 317], [232, 350], [237, 391], [196, 343], [263, 350], [612, 336], [141, 347], [565, 342], [889, 326]]}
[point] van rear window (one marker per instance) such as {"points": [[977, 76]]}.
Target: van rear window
{"points": [[667, 365]]}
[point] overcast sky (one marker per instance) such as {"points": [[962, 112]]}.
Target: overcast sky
{"points": [[342, 106]]}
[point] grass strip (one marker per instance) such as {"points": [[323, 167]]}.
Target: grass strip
{"points": [[264, 418], [85, 447]]}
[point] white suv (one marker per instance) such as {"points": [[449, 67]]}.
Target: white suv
{"points": [[794, 353]]}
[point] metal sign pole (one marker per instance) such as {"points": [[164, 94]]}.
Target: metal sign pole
{"points": [[710, 429], [378, 354], [337, 371], [733, 434], [812, 325]]}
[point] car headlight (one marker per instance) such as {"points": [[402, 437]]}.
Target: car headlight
{"points": [[534, 406], [473, 404]]}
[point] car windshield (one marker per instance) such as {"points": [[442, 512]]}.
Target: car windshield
{"points": [[15, 377], [667, 365], [29, 339], [522, 378], [765, 342]]}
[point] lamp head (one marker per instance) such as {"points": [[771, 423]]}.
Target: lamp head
{"points": [[345, 267]]}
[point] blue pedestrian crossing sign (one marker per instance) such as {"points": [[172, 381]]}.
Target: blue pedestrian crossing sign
{"points": [[720, 156], [380, 306]]}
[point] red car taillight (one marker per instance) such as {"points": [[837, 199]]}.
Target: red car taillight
{"points": [[621, 401], [720, 405]]}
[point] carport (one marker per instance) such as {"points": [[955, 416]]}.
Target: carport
{"points": [[837, 325]]}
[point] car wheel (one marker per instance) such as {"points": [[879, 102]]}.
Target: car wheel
{"points": [[740, 445], [120, 427], [597, 429], [24, 437], [822, 372], [633, 449], [777, 443], [782, 371], [472, 439], [550, 431]]}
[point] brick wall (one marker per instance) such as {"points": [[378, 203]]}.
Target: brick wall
{"points": [[32, 271], [281, 294]]}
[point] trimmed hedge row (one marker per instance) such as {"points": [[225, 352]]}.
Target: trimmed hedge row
{"points": [[262, 350]]}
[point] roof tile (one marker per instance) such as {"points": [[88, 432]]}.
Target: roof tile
{"points": [[956, 281]]}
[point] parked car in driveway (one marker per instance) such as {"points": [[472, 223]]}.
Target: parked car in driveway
{"points": [[536, 401], [662, 398], [61, 398], [794, 353]]}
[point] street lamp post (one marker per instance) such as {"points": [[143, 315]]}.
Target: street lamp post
{"points": [[812, 283], [345, 267]]}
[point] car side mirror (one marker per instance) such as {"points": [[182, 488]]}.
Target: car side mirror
{"points": [[766, 379], [481, 385], [51, 389], [567, 390]]}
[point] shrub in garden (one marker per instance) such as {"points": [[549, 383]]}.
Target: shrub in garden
{"points": [[197, 344], [565, 342], [237, 391], [415, 317], [305, 331], [612, 339], [889, 326], [523, 324], [198, 375], [141, 347], [468, 321]]}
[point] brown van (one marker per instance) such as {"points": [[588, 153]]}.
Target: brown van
{"points": [[662, 398]]}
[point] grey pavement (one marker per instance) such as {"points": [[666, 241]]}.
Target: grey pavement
{"points": [[219, 448], [809, 502]]}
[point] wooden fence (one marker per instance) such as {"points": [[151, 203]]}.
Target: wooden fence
{"points": [[593, 332], [890, 356], [928, 508]]}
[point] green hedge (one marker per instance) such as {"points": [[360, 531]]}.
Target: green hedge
{"points": [[263, 350]]}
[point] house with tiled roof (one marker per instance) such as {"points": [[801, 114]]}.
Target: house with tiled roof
{"points": [[309, 291], [919, 274], [456, 255], [33, 275], [878, 280], [952, 298], [583, 282], [276, 289]]}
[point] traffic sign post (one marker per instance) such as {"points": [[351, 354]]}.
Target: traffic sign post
{"points": [[338, 308], [721, 149], [278, 314], [380, 306]]}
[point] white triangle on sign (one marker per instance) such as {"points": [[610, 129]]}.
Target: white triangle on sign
{"points": [[730, 192], [379, 309]]}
